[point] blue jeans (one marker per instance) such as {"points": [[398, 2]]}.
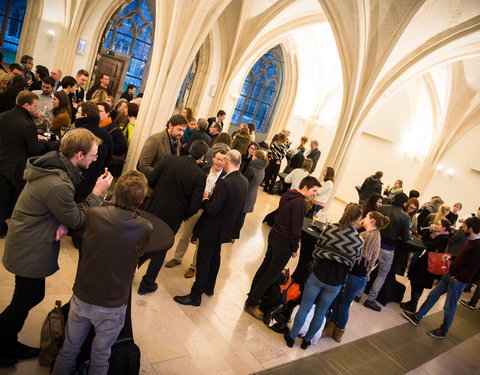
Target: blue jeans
{"points": [[454, 291], [341, 310], [315, 292], [108, 322]]}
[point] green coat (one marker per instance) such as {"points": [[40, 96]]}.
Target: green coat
{"points": [[44, 204]]}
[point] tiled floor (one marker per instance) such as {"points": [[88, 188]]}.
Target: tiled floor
{"points": [[215, 338]]}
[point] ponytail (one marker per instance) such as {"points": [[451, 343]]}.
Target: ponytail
{"points": [[381, 221]]}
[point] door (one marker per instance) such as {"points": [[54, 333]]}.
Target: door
{"points": [[114, 68]]}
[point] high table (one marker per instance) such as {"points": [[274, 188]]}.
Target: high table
{"points": [[307, 245]]}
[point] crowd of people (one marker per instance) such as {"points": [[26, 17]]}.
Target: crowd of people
{"points": [[62, 149]]}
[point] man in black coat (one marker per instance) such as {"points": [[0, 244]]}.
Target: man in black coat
{"points": [[178, 184], [88, 117], [220, 117], [314, 153], [218, 224], [200, 134], [18, 142], [128, 93], [119, 142]]}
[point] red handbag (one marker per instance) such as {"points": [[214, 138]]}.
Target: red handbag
{"points": [[439, 263]]}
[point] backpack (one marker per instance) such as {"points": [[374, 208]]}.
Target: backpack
{"points": [[125, 358], [282, 291], [289, 289], [52, 336]]}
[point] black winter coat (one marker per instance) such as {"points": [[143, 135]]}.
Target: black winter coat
{"points": [[370, 185], [178, 184], [222, 217], [96, 168], [18, 142], [418, 273]]}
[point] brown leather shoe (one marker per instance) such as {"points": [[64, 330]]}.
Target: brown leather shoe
{"points": [[337, 334], [190, 273], [329, 328], [254, 311], [172, 263]]}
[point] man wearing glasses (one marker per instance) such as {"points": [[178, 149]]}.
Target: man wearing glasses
{"points": [[43, 214]]}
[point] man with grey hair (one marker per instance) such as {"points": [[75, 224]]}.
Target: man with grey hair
{"points": [[218, 224]]}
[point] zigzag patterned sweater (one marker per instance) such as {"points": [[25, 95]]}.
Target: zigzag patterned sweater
{"points": [[341, 246]]}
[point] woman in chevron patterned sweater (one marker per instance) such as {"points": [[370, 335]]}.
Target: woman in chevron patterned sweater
{"points": [[358, 276], [336, 251]]}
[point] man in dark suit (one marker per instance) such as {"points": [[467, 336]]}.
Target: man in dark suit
{"points": [[128, 93], [18, 141], [314, 153], [178, 184], [218, 224], [220, 117]]}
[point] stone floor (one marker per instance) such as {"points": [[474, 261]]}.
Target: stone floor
{"points": [[217, 337]]}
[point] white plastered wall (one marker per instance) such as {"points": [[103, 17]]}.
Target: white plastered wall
{"points": [[463, 186]]}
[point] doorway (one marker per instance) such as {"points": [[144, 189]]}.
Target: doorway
{"points": [[115, 67]]}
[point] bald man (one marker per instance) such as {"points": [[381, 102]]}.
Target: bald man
{"points": [[219, 223]]}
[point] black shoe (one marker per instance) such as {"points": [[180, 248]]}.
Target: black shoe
{"points": [[23, 351], [289, 340], [142, 290], [467, 304], [372, 305], [407, 306], [437, 333], [357, 298], [7, 360], [209, 293], [187, 300], [411, 317], [305, 344], [3, 230]]}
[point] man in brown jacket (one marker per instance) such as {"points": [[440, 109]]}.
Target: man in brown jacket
{"points": [[159, 145]]}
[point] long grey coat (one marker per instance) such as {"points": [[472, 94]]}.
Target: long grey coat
{"points": [[255, 174], [44, 204]]}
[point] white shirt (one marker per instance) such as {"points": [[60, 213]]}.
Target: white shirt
{"points": [[44, 104], [212, 180], [295, 177], [323, 194]]}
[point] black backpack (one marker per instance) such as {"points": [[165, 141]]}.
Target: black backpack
{"points": [[125, 358]]}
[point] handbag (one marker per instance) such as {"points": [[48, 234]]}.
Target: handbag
{"points": [[439, 263]]}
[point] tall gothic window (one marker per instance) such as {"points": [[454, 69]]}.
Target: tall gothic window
{"points": [[131, 33], [11, 22], [184, 92], [261, 91]]}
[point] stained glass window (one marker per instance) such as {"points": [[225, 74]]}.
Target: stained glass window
{"points": [[131, 33], [184, 92], [261, 91], [11, 22]]}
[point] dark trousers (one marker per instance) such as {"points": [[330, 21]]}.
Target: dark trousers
{"points": [[157, 259], [8, 197], [156, 262], [28, 293], [208, 264], [271, 173], [276, 258]]}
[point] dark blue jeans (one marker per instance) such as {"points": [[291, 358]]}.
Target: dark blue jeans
{"points": [[454, 291], [341, 310]]}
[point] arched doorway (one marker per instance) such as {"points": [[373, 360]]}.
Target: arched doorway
{"points": [[126, 46]]}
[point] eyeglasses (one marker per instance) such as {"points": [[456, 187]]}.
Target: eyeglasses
{"points": [[95, 156]]}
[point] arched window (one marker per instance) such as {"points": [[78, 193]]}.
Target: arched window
{"points": [[11, 22], [184, 92], [261, 91], [131, 34]]}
